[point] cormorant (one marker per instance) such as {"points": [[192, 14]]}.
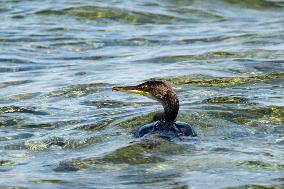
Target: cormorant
{"points": [[166, 126]]}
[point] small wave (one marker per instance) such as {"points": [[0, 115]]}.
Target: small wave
{"points": [[253, 55], [5, 163], [16, 137], [22, 68], [139, 120], [23, 96], [256, 117], [222, 81], [16, 60], [14, 83], [96, 126], [77, 90], [256, 4], [21, 109], [114, 14], [256, 164], [226, 99], [53, 143], [134, 154], [114, 104]]}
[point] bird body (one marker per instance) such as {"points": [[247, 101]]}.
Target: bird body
{"points": [[167, 126]]}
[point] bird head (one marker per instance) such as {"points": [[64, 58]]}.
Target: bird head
{"points": [[157, 90]]}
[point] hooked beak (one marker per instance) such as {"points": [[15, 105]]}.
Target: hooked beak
{"points": [[131, 89]]}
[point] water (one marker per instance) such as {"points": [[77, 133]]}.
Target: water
{"points": [[61, 126]]}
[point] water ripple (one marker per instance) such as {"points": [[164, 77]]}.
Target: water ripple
{"points": [[77, 90], [14, 83], [113, 14], [60, 119], [223, 81], [20, 109]]}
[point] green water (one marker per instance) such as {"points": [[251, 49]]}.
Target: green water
{"points": [[61, 126]]}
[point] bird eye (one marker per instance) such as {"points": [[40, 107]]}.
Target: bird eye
{"points": [[144, 88]]}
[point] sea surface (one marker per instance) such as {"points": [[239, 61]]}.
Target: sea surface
{"points": [[61, 126]]}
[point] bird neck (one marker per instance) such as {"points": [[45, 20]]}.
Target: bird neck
{"points": [[171, 107]]}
